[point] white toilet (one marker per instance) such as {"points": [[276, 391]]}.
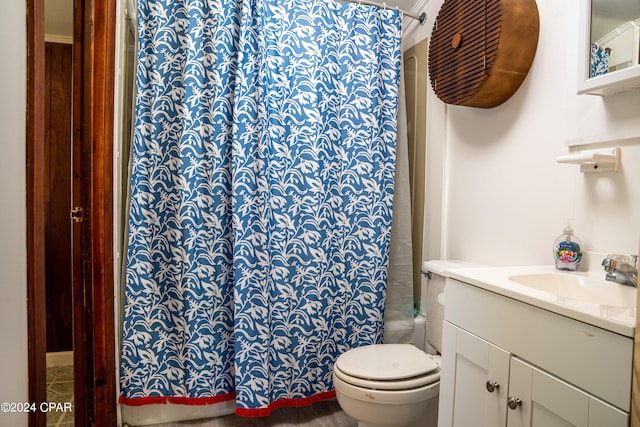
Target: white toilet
{"points": [[397, 384]]}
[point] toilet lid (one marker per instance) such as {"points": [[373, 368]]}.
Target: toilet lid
{"points": [[386, 362]]}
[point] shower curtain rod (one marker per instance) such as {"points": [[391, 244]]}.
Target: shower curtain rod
{"points": [[421, 18]]}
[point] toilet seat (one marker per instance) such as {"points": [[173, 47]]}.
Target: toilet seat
{"points": [[387, 367]]}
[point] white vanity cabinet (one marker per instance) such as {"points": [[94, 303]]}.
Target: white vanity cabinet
{"points": [[473, 382], [508, 363], [538, 399]]}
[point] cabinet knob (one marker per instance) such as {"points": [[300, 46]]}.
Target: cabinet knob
{"points": [[492, 386], [514, 402]]}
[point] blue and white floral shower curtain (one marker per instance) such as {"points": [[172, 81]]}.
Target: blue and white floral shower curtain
{"points": [[262, 191]]}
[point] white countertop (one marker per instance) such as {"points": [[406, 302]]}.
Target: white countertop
{"points": [[621, 320]]}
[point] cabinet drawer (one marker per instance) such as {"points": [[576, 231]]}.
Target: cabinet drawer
{"points": [[588, 357]]}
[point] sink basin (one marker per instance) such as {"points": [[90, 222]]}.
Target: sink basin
{"points": [[582, 296], [579, 288]]}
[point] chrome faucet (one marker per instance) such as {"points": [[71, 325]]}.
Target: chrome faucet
{"points": [[621, 269]]}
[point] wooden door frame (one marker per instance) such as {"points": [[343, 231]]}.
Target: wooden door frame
{"points": [[36, 293], [94, 329]]}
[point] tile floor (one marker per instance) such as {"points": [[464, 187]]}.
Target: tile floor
{"points": [[60, 390], [320, 414]]}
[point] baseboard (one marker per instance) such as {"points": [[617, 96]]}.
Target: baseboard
{"points": [[60, 358]]}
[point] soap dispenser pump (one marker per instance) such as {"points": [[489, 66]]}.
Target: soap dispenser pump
{"points": [[567, 250]]}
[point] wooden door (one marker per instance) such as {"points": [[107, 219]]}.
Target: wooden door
{"points": [[58, 82], [474, 381]]}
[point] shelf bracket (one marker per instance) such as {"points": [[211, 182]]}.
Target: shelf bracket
{"points": [[594, 160]]}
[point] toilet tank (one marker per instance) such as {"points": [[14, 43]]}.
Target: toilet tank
{"points": [[432, 297]]}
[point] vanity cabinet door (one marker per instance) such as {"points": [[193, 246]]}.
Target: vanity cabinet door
{"points": [[537, 399], [474, 380]]}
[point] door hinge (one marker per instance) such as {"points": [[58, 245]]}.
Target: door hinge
{"points": [[77, 214]]}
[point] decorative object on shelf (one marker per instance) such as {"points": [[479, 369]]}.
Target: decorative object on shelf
{"points": [[481, 50], [594, 160], [599, 61]]}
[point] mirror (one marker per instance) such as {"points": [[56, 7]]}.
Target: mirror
{"points": [[610, 50], [615, 31]]}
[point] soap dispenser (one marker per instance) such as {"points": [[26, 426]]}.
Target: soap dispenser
{"points": [[567, 250]]}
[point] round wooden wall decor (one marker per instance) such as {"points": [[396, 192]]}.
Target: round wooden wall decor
{"points": [[481, 50]]}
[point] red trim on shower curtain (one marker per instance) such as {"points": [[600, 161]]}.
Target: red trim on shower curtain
{"points": [[241, 412]]}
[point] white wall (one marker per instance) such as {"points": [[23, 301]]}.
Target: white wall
{"points": [[505, 197], [13, 252], [58, 21]]}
